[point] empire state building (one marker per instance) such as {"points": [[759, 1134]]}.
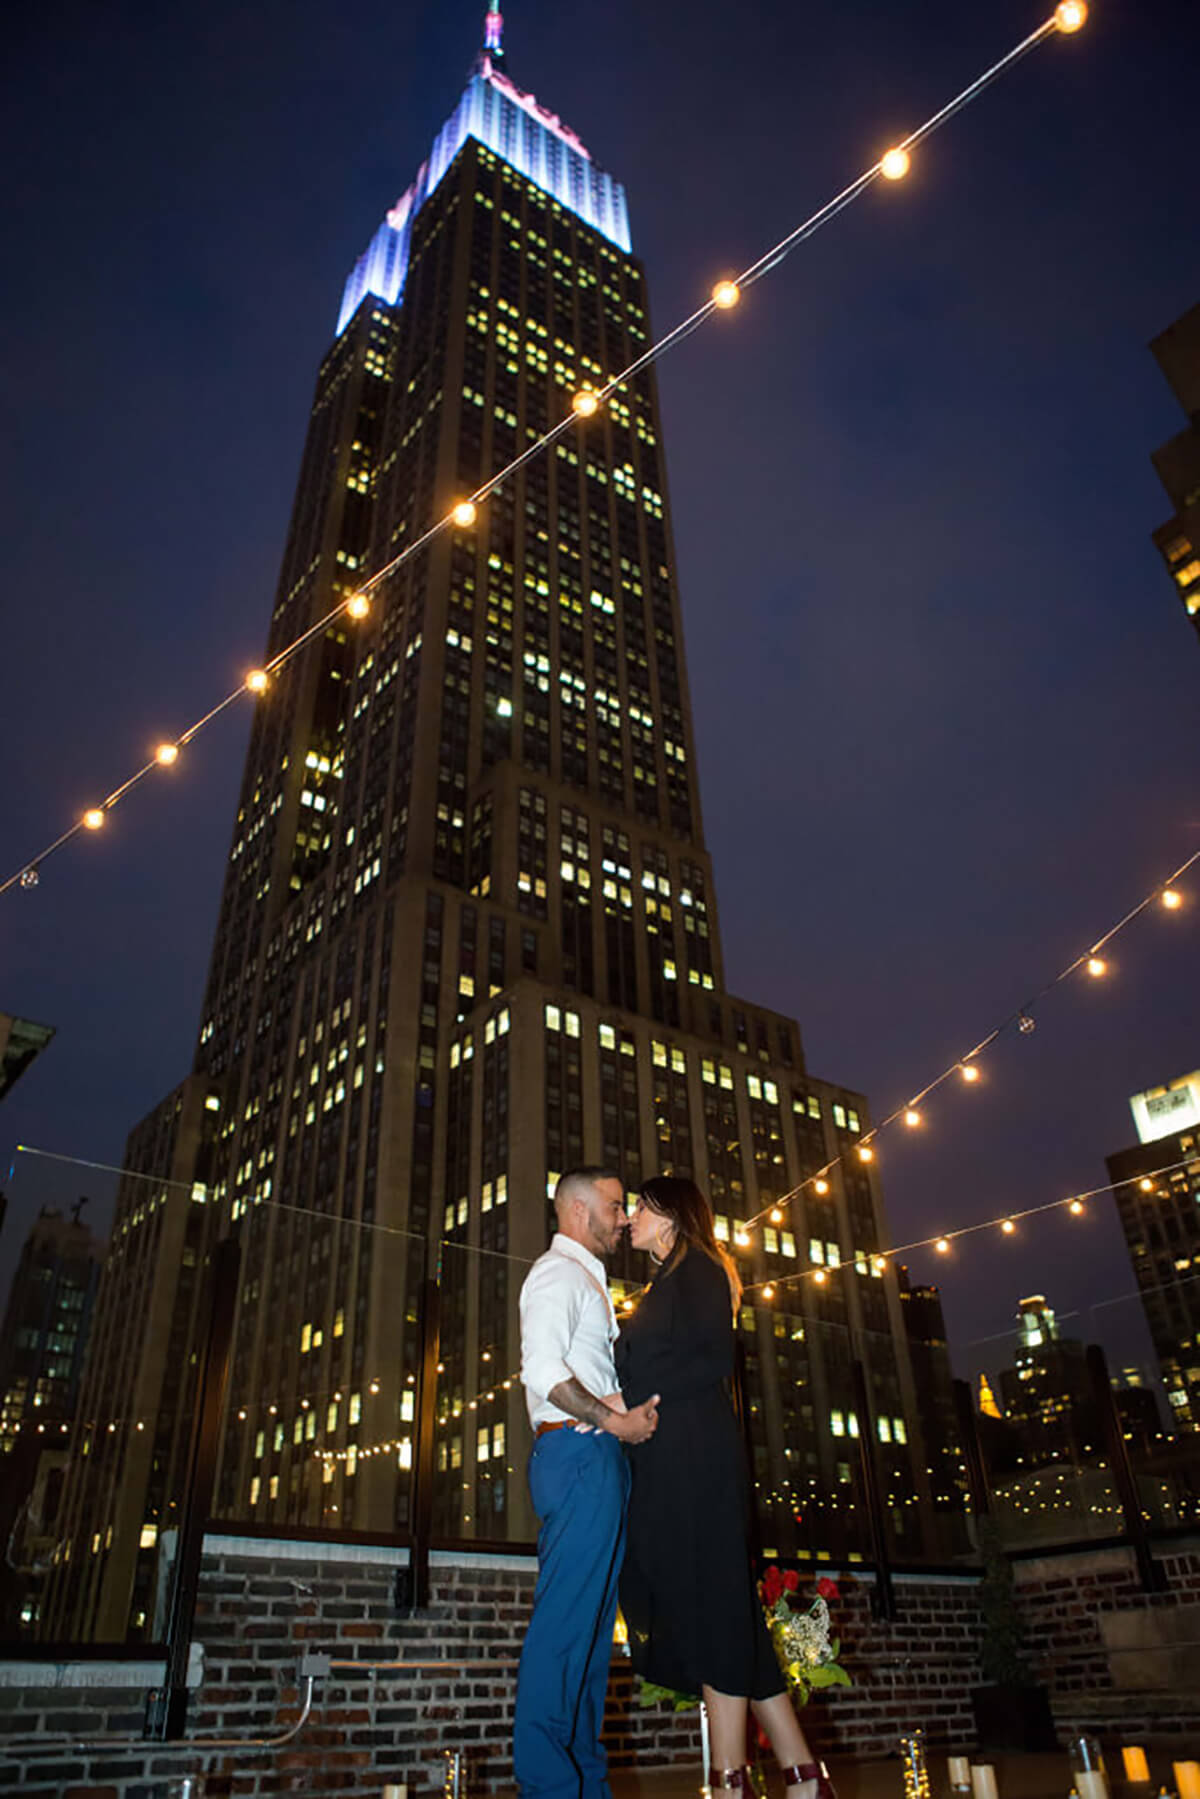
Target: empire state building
{"points": [[468, 935]]}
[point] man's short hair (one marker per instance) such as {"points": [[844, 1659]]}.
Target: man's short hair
{"points": [[577, 1183]]}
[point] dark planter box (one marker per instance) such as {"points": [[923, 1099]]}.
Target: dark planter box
{"points": [[1015, 1720]]}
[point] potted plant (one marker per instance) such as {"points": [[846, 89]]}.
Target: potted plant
{"points": [[1012, 1711]]}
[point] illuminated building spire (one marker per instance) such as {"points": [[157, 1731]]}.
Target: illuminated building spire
{"points": [[493, 35]]}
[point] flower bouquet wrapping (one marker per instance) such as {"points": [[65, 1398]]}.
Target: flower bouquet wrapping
{"points": [[808, 1655]]}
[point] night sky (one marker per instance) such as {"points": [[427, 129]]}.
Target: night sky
{"points": [[946, 700]]}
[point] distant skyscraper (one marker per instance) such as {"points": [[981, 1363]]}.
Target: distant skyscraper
{"points": [[1178, 462], [46, 1325], [1160, 1216], [1046, 1394], [42, 1343], [468, 933]]}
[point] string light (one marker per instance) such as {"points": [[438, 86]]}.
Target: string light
{"points": [[726, 294], [1172, 899], [865, 1153], [1068, 17], [1076, 1208], [1097, 967], [895, 165], [969, 1072], [166, 754], [1008, 1227], [585, 403], [93, 818], [776, 1215], [358, 605], [821, 1186], [942, 1246], [912, 1118]]}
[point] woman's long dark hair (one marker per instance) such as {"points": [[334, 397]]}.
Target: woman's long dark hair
{"points": [[680, 1200]]}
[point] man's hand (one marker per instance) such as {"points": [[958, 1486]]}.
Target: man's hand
{"points": [[637, 1425]]}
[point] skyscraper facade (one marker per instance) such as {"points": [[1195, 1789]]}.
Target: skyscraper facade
{"points": [[1158, 1203], [468, 934], [1177, 463]]}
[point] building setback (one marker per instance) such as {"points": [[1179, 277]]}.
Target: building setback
{"points": [[468, 934]]}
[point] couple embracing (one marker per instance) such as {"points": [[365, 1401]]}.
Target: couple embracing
{"points": [[638, 1478]]}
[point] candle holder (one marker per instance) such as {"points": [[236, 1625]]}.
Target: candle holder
{"points": [[912, 1761], [1187, 1779], [983, 1781], [958, 1767], [1087, 1767]]}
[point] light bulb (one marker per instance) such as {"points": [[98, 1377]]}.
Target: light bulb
{"points": [[1172, 899], [166, 753], [969, 1071], [1008, 1227], [1146, 1184], [821, 1186], [912, 1118], [585, 403], [726, 294], [768, 1291], [464, 513], [776, 1215], [1077, 1207], [942, 1246], [865, 1153], [1097, 967], [819, 1277], [93, 818], [895, 165], [256, 680], [358, 605], [1070, 15]]}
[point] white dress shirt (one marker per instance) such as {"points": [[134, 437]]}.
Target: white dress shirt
{"points": [[568, 1327]]}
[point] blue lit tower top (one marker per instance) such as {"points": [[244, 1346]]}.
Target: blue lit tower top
{"points": [[512, 125]]}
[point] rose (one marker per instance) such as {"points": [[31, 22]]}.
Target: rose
{"points": [[826, 1588], [791, 1580], [772, 1586]]}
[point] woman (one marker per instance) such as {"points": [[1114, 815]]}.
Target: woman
{"points": [[687, 1587]]}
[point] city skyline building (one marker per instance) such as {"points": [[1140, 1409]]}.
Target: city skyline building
{"points": [[468, 938], [1177, 462], [1158, 1204], [43, 1338]]}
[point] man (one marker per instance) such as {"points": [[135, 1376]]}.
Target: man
{"points": [[579, 1483]]}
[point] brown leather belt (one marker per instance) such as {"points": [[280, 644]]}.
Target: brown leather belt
{"points": [[563, 1424]]}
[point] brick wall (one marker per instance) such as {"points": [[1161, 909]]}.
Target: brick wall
{"points": [[262, 1604], [1104, 1677]]}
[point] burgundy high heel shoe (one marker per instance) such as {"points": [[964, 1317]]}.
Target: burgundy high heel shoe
{"points": [[811, 1771], [731, 1779]]}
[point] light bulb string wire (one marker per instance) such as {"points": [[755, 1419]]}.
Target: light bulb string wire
{"points": [[969, 1058], [335, 1220], [28, 869], [889, 1254], [821, 1273]]}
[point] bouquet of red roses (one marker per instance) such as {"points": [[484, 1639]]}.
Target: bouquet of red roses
{"points": [[807, 1654]]}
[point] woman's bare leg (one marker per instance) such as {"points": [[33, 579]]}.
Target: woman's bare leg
{"points": [[777, 1716], [726, 1728]]}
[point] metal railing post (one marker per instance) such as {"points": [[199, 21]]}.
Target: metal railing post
{"points": [[166, 1706]]}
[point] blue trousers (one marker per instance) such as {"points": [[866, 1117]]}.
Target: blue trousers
{"points": [[579, 1484]]}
